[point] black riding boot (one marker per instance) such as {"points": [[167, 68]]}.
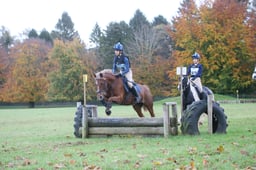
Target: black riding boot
{"points": [[136, 94]]}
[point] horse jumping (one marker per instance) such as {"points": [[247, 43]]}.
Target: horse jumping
{"points": [[111, 88]]}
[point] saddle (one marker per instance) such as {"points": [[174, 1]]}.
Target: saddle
{"points": [[126, 86]]}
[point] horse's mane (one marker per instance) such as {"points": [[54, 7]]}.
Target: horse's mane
{"points": [[103, 72], [106, 73]]}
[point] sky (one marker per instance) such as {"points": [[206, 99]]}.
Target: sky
{"points": [[20, 15]]}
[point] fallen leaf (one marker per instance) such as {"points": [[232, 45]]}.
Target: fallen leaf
{"points": [[82, 154], [192, 150], [92, 167], [59, 166], [72, 162], [26, 162], [137, 165], [220, 149], [235, 143], [85, 163], [104, 150], [172, 159], [205, 162], [157, 163], [67, 154], [192, 165]]}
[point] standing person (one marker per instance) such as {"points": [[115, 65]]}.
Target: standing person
{"points": [[195, 71], [122, 65]]}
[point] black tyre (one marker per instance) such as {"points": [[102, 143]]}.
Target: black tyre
{"points": [[190, 118], [78, 121]]}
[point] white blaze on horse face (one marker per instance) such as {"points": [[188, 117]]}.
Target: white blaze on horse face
{"points": [[97, 85]]}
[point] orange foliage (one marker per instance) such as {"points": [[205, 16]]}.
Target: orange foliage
{"points": [[27, 77], [222, 33]]}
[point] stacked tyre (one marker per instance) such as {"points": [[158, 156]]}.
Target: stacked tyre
{"points": [[78, 122], [190, 118]]}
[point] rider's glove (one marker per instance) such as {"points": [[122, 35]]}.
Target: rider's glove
{"points": [[118, 75]]}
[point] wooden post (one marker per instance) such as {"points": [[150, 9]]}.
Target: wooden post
{"points": [[166, 120], [209, 111], [181, 95], [173, 126], [181, 71], [85, 81], [85, 129], [85, 115]]}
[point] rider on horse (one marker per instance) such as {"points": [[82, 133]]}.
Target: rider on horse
{"points": [[195, 71], [122, 65]]}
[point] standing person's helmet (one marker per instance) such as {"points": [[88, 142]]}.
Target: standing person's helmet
{"points": [[119, 47], [196, 56]]}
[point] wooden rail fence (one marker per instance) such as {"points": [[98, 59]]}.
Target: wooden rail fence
{"points": [[166, 125]]}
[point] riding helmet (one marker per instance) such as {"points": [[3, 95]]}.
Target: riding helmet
{"points": [[118, 46], [196, 56]]}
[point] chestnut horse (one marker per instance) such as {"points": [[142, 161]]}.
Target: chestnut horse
{"points": [[111, 88]]}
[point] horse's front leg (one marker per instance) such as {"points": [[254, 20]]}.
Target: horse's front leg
{"points": [[108, 106], [116, 99]]}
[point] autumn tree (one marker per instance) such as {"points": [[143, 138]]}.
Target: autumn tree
{"points": [[3, 69], [154, 74], [67, 71], [217, 30], [27, 78]]}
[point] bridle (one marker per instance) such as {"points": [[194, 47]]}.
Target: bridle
{"points": [[101, 92]]}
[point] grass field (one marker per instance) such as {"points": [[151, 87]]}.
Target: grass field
{"points": [[42, 139]]}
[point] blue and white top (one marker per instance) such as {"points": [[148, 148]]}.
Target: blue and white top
{"points": [[121, 64], [195, 70]]}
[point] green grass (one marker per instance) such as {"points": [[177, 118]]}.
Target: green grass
{"points": [[42, 138]]}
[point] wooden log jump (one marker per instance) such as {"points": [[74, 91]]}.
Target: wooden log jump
{"points": [[131, 126]]}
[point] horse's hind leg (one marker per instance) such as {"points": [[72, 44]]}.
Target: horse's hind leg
{"points": [[137, 108], [150, 109]]}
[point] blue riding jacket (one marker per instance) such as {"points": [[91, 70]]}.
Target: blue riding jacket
{"points": [[121, 64], [195, 70]]}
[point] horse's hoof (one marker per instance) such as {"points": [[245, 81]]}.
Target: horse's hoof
{"points": [[108, 112]]}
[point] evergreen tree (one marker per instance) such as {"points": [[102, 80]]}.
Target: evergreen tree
{"points": [[159, 20], [65, 29], [32, 34], [6, 40], [45, 35], [115, 32], [138, 21], [96, 35]]}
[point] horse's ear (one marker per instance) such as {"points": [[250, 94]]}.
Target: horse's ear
{"points": [[94, 75]]}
